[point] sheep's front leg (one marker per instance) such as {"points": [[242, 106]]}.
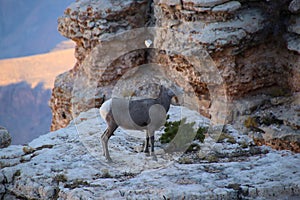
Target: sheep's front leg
{"points": [[152, 145], [146, 147]]}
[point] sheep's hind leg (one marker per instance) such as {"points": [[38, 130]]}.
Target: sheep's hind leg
{"points": [[105, 137]]}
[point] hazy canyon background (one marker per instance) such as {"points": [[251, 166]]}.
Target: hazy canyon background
{"points": [[32, 54]]}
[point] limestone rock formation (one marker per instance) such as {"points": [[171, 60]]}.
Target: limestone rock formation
{"points": [[253, 46], [86, 22], [5, 138], [68, 164]]}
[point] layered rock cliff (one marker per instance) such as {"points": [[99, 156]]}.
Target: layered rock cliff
{"points": [[252, 45]]}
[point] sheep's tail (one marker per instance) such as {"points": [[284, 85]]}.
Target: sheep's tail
{"points": [[105, 109]]}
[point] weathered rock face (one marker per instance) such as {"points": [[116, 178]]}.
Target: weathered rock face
{"points": [[243, 44], [277, 124], [254, 46], [87, 22], [65, 165]]}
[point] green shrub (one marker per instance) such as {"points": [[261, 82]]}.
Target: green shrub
{"points": [[212, 158], [60, 178], [76, 183], [28, 150], [279, 92], [106, 174], [270, 119], [179, 134], [250, 122], [224, 137], [185, 160]]}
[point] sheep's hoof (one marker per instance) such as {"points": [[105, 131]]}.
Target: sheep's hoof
{"points": [[154, 157], [109, 160]]}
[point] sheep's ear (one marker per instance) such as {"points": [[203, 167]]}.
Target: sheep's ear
{"points": [[171, 93], [161, 88]]}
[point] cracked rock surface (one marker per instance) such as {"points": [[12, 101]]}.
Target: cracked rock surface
{"points": [[68, 164]]}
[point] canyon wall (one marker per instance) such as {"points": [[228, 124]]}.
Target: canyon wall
{"points": [[24, 111], [252, 45]]}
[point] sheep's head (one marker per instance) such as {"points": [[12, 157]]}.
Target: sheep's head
{"points": [[174, 92], [166, 91], [171, 93]]}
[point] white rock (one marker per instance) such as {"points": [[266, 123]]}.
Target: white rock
{"points": [[294, 6], [168, 2], [293, 43], [294, 27], [226, 33], [201, 9], [148, 43], [205, 3], [230, 6]]}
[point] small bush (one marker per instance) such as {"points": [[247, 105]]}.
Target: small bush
{"points": [[77, 183], [28, 149], [269, 119], [106, 174], [17, 173], [180, 134], [185, 160], [60, 178], [250, 122], [224, 137], [279, 92], [212, 158]]}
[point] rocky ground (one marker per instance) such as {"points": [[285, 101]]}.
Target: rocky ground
{"points": [[68, 164]]}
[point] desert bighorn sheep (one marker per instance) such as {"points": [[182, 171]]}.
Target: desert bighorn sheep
{"points": [[145, 114]]}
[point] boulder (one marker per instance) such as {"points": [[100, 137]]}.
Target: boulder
{"points": [[230, 7], [204, 3], [293, 43], [294, 6], [5, 138], [294, 26]]}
